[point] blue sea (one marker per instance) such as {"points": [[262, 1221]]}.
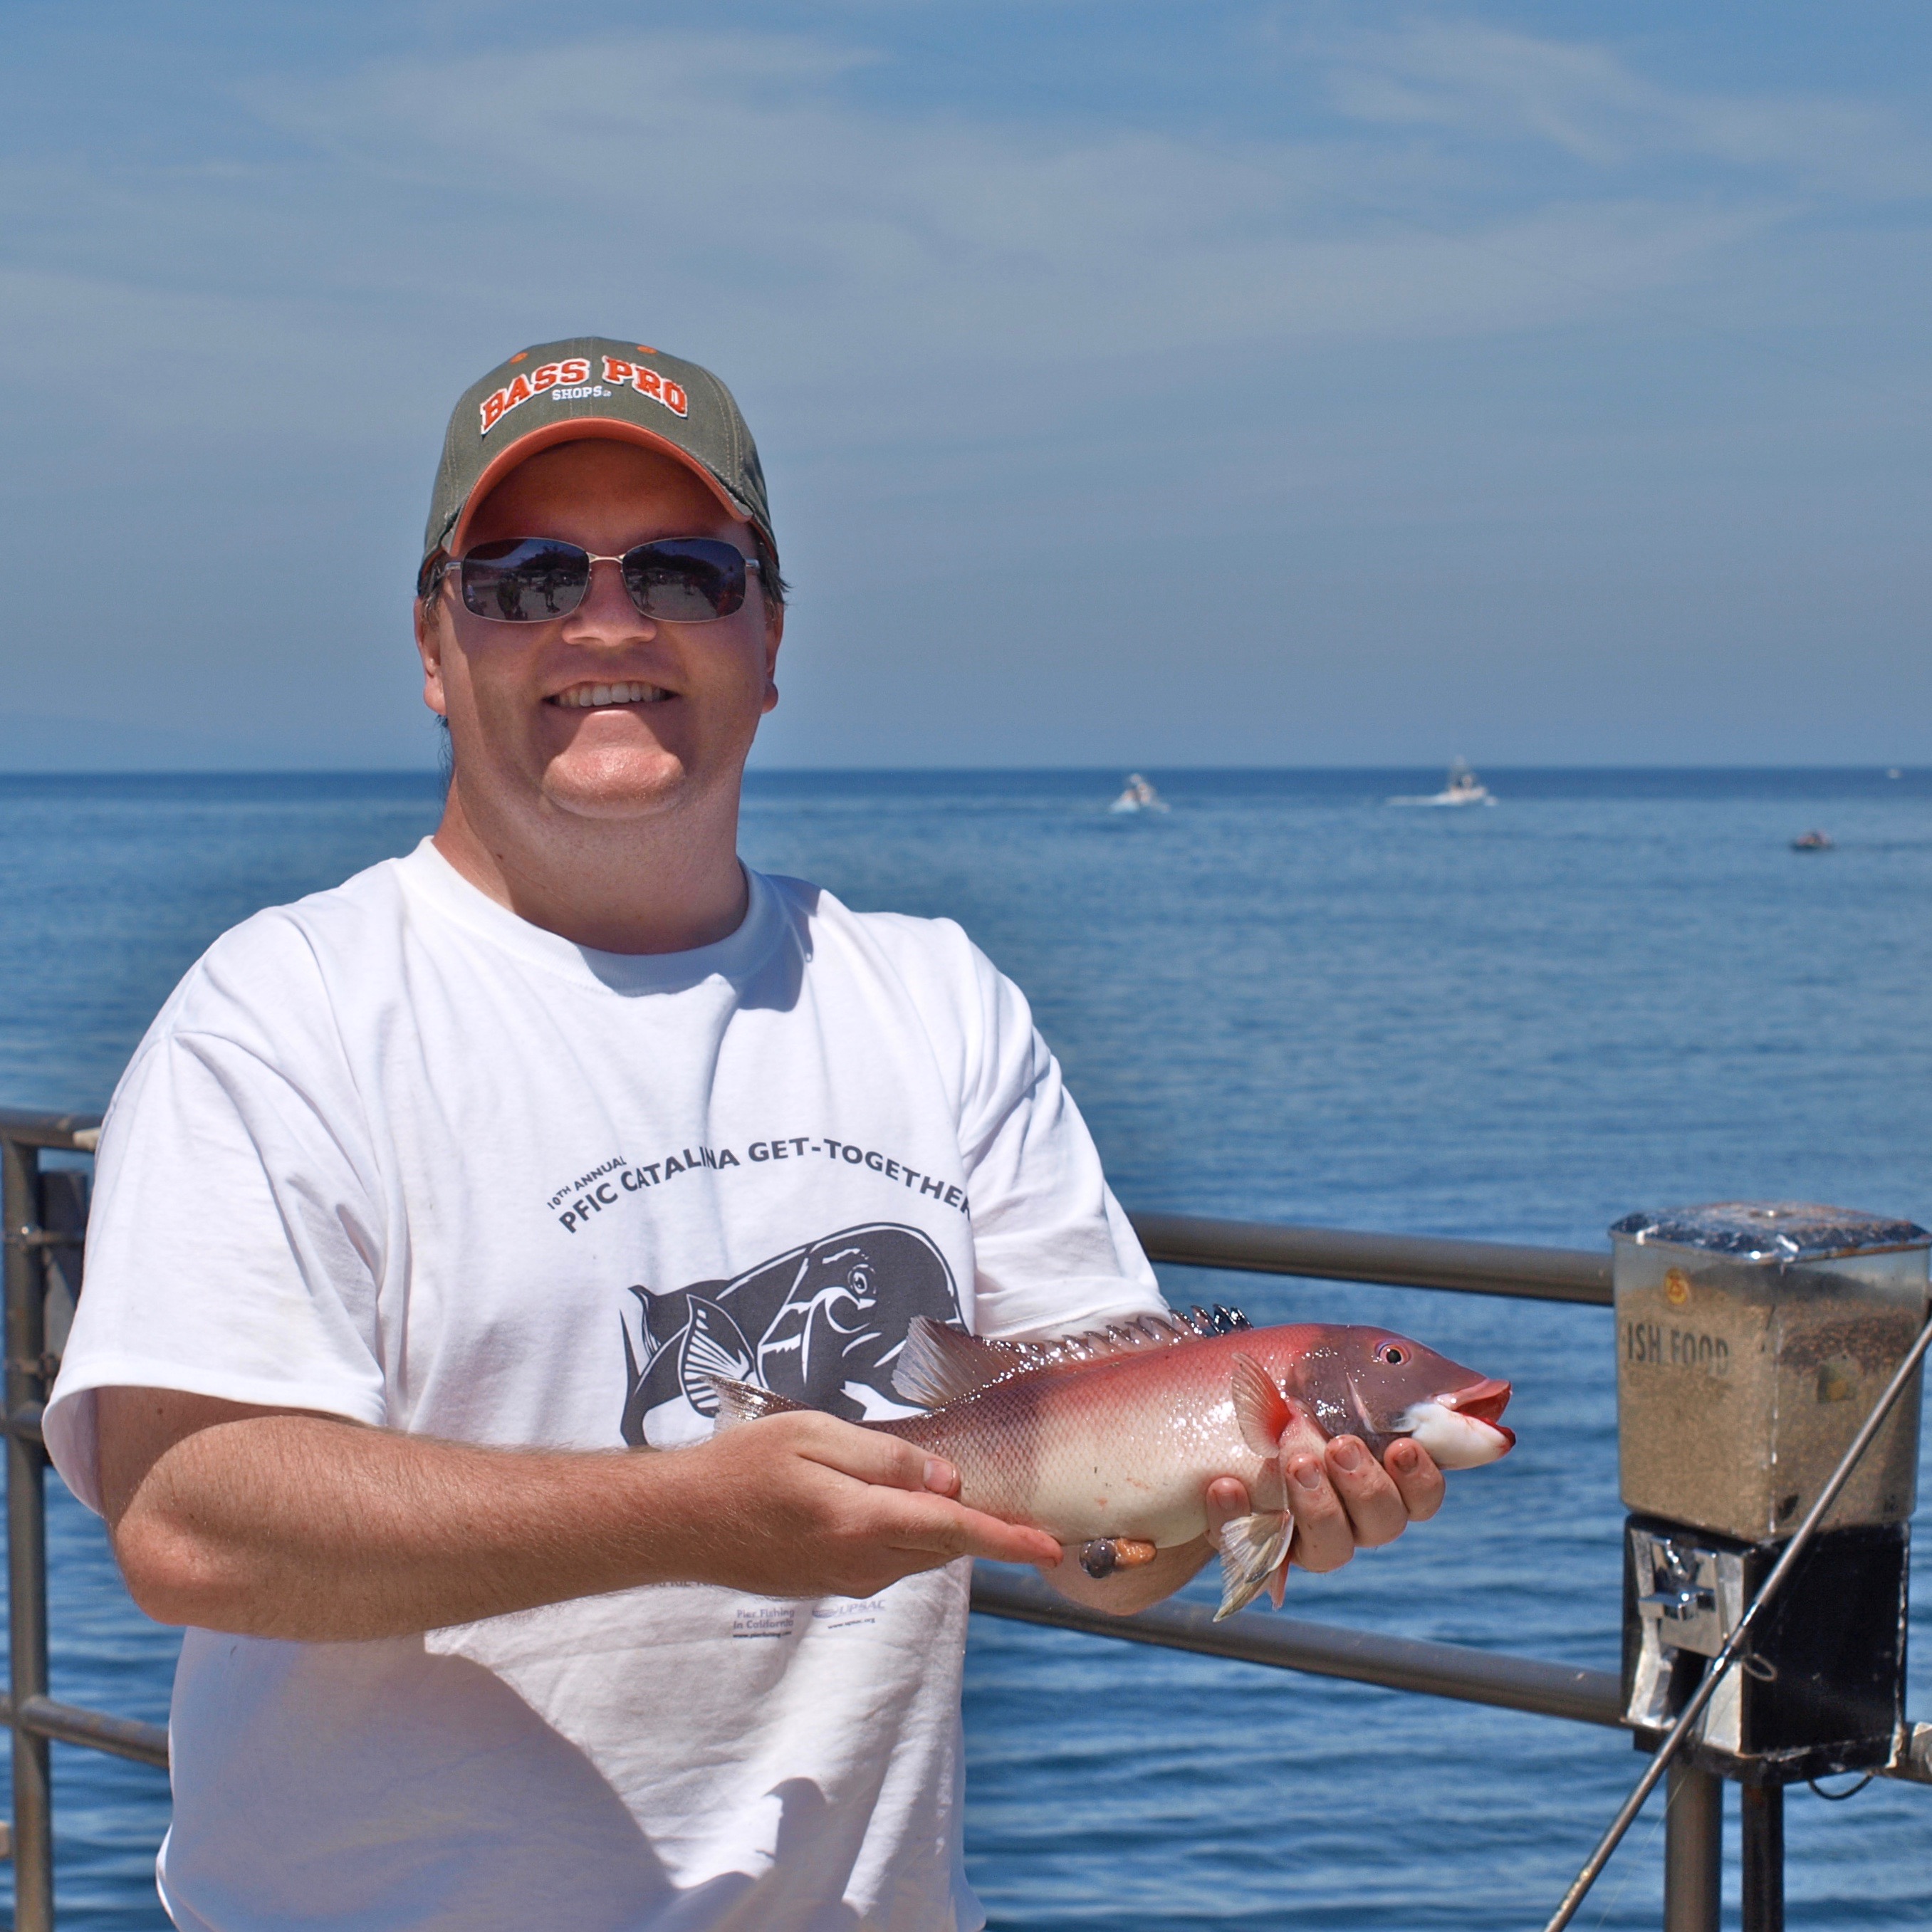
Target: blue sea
{"points": [[1284, 999]]}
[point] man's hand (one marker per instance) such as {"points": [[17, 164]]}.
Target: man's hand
{"points": [[271, 1522], [1343, 1500], [809, 1506]]}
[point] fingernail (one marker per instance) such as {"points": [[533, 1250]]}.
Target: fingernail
{"points": [[1307, 1472], [1401, 1455], [938, 1475], [1346, 1456]]}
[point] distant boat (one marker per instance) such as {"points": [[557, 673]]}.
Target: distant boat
{"points": [[1138, 795], [1812, 841], [1463, 787]]}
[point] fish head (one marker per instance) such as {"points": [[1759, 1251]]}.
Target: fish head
{"points": [[1380, 1385]]}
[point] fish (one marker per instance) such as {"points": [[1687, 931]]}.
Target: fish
{"points": [[1107, 1441]]}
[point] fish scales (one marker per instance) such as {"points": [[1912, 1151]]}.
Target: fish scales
{"points": [[1123, 1446]]}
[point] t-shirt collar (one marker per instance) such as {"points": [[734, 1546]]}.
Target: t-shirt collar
{"points": [[432, 881]]}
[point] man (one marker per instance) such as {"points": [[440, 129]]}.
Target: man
{"points": [[429, 1205]]}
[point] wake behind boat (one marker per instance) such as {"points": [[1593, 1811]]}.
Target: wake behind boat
{"points": [[1138, 795], [1463, 787]]}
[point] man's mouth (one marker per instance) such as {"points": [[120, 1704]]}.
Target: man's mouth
{"points": [[589, 696]]}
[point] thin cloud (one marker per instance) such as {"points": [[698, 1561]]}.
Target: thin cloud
{"points": [[1491, 85], [738, 164]]}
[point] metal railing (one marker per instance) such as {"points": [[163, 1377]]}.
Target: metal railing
{"points": [[44, 1220]]}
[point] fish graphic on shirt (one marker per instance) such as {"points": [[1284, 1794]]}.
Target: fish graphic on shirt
{"points": [[823, 1324]]}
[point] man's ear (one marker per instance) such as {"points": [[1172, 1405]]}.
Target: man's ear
{"points": [[774, 637], [430, 635]]}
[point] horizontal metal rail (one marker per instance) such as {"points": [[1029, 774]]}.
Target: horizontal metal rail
{"points": [[74, 1724], [1395, 1261], [1364, 1657], [76, 1132]]}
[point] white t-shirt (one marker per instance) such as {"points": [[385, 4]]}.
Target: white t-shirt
{"points": [[394, 1154]]}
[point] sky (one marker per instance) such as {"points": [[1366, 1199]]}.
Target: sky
{"points": [[1139, 384]]}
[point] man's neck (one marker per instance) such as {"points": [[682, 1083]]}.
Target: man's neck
{"points": [[664, 884]]}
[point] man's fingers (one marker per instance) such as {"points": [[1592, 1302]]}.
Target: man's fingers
{"points": [[1227, 1499], [1374, 1505], [1324, 1538], [1417, 1478], [870, 1455], [949, 1529]]}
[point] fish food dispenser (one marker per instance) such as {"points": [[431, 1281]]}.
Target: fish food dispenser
{"points": [[1754, 1339]]}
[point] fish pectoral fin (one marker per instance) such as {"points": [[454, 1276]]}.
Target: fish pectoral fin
{"points": [[1262, 1411], [1252, 1548], [740, 1402]]}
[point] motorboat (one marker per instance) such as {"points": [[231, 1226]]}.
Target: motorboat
{"points": [[1138, 795], [1813, 841], [1461, 787]]}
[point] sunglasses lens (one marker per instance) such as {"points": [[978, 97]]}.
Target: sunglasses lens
{"points": [[525, 580], [686, 580]]}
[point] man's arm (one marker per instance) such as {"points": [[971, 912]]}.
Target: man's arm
{"points": [[1344, 1500], [272, 1523]]}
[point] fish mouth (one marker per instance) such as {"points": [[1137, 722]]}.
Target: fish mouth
{"points": [[1482, 1401], [1460, 1429]]}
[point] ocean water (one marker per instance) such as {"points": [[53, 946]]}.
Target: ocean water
{"points": [[1283, 999]]}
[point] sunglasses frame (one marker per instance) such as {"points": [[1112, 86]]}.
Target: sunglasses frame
{"points": [[436, 570]]}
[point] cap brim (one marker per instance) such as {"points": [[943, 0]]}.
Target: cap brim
{"points": [[580, 429]]}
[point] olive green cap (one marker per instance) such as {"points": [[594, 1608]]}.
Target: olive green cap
{"points": [[592, 386]]}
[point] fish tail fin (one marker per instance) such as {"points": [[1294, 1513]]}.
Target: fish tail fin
{"points": [[740, 1402], [1252, 1548]]}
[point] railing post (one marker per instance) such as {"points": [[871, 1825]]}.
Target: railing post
{"points": [[1763, 1853], [25, 1384], [1693, 1845]]}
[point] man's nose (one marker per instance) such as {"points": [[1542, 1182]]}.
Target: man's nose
{"points": [[606, 613]]}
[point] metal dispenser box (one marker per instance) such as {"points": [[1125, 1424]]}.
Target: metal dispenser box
{"points": [[1752, 1341]]}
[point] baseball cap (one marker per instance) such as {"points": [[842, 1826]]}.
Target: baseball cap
{"points": [[593, 386]]}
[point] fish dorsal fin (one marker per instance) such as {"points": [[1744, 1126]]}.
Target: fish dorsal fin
{"points": [[1261, 1409], [939, 1364]]}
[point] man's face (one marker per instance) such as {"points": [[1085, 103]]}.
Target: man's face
{"points": [[522, 747]]}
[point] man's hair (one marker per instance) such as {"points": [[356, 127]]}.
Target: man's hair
{"points": [[771, 580]]}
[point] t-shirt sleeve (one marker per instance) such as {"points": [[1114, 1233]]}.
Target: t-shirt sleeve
{"points": [[1053, 1251], [233, 1245]]}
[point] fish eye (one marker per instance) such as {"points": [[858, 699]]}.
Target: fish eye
{"points": [[1392, 1353]]}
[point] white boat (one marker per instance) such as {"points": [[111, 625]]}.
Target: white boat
{"points": [[1463, 787], [1138, 795]]}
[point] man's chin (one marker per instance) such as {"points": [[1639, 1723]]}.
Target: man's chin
{"points": [[615, 784]]}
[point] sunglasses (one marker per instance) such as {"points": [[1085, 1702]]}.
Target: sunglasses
{"points": [[532, 579]]}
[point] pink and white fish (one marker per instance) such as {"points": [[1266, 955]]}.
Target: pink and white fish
{"points": [[1108, 1441]]}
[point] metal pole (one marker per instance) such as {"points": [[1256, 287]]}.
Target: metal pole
{"points": [[1693, 1846], [1404, 1260], [26, 1547], [1734, 1644], [1764, 1858], [1367, 1656]]}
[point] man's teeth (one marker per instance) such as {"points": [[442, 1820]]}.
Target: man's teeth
{"points": [[582, 697]]}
